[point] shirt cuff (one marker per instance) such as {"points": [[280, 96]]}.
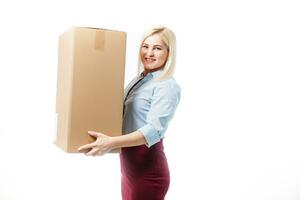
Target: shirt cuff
{"points": [[151, 135]]}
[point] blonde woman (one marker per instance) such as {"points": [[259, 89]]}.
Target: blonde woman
{"points": [[149, 104]]}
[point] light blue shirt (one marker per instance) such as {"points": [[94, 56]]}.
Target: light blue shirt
{"points": [[149, 106]]}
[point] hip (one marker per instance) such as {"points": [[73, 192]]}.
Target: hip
{"points": [[144, 161]]}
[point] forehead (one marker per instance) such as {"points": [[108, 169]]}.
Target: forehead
{"points": [[154, 40]]}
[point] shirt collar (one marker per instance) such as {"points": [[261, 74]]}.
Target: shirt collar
{"points": [[154, 74]]}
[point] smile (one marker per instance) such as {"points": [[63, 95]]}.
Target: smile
{"points": [[150, 59]]}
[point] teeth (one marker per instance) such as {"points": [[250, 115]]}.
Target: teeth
{"points": [[149, 59]]}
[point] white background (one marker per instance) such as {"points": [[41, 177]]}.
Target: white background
{"points": [[236, 131]]}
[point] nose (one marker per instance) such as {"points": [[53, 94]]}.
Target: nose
{"points": [[149, 53]]}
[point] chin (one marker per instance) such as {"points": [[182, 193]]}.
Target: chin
{"points": [[149, 68]]}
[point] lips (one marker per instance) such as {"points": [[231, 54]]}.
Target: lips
{"points": [[149, 60]]}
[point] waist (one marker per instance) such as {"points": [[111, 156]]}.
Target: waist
{"points": [[142, 152]]}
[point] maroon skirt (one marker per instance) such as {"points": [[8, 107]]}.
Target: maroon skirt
{"points": [[145, 172]]}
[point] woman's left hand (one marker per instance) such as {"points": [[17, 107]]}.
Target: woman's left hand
{"points": [[102, 145]]}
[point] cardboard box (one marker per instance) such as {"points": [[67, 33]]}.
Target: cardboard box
{"points": [[90, 85]]}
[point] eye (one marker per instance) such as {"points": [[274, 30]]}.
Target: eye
{"points": [[145, 47], [158, 48]]}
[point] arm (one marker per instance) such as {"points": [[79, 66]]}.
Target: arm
{"points": [[164, 101], [163, 106], [135, 138], [105, 143]]}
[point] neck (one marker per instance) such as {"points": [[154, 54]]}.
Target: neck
{"points": [[146, 71]]}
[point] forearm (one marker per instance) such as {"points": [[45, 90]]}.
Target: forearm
{"points": [[133, 139]]}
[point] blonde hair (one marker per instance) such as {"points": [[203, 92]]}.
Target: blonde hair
{"points": [[169, 39]]}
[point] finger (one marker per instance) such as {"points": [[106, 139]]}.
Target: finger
{"points": [[100, 153], [96, 134], [103, 151], [87, 146], [92, 152], [84, 151], [93, 133]]}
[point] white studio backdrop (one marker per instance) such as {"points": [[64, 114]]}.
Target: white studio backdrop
{"points": [[236, 131]]}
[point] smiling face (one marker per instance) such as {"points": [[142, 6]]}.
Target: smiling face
{"points": [[154, 53]]}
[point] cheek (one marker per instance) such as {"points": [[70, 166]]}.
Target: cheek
{"points": [[142, 55], [163, 58]]}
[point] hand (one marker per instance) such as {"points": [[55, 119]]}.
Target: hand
{"points": [[102, 145]]}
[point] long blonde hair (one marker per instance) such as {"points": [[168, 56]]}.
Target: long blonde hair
{"points": [[169, 39]]}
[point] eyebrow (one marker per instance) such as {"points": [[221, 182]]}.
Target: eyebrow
{"points": [[157, 45]]}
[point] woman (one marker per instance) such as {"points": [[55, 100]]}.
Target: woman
{"points": [[149, 105]]}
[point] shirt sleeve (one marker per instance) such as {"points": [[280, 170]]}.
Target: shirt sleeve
{"points": [[163, 105]]}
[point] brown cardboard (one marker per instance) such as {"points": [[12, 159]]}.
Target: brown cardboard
{"points": [[90, 84]]}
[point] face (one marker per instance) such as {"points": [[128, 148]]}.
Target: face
{"points": [[154, 53]]}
